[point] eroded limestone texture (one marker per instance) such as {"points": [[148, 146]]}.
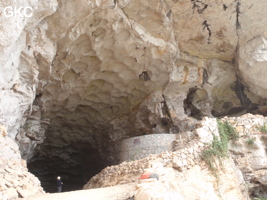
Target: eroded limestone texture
{"points": [[15, 180], [80, 76]]}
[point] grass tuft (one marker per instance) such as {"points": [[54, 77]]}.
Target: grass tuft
{"points": [[218, 149], [263, 128], [250, 141]]}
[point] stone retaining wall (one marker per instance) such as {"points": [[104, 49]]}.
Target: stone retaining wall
{"points": [[246, 168], [181, 160], [142, 146]]}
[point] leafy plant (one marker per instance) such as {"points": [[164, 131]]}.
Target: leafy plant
{"points": [[218, 149]]}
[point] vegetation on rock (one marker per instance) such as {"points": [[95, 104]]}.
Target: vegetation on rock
{"points": [[263, 128], [218, 149], [250, 141]]}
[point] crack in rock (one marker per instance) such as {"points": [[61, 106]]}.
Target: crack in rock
{"points": [[238, 12], [207, 26]]}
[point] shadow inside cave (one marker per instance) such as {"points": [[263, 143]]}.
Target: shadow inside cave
{"points": [[74, 165]]}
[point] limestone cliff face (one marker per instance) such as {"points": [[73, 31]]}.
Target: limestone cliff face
{"points": [[19, 68], [88, 64], [82, 75]]}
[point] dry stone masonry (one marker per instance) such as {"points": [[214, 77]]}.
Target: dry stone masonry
{"points": [[245, 169], [139, 147], [182, 159], [182, 172]]}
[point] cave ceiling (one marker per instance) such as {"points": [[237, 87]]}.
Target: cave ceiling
{"points": [[87, 74], [80, 76], [113, 70]]}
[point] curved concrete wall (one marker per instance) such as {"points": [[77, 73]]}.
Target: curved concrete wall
{"points": [[139, 147]]}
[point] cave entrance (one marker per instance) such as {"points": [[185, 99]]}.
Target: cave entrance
{"points": [[75, 164], [196, 104]]}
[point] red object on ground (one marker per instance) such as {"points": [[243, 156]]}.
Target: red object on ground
{"points": [[145, 176]]}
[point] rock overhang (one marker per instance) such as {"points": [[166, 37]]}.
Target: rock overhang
{"points": [[98, 72]]}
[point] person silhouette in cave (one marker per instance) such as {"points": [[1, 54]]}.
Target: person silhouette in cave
{"points": [[59, 184]]}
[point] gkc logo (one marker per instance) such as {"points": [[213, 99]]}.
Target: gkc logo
{"points": [[21, 11]]}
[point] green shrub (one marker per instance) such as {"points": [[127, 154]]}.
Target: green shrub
{"points": [[218, 149], [263, 128], [250, 141]]}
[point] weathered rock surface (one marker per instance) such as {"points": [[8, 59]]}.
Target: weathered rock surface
{"points": [[249, 151], [244, 173], [84, 70], [15, 180], [19, 70], [80, 76], [193, 184], [253, 57], [108, 58], [183, 174]]}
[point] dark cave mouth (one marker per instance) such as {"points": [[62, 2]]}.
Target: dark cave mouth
{"points": [[74, 167], [77, 162]]}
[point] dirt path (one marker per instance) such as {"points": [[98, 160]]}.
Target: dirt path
{"points": [[118, 192]]}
